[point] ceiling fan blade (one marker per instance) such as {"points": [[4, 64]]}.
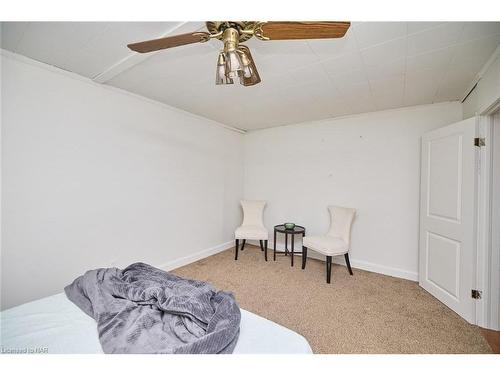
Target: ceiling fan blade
{"points": [[303, 30], [169, 42]]}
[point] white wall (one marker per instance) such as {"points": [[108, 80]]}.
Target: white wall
{"points": [[95, 177], [487, 91], [370, 162]]}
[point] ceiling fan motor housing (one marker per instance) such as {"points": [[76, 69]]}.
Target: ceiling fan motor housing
{"points": [[244, 28]]}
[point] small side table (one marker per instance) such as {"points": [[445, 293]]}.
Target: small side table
{"points": [[292, 232]]}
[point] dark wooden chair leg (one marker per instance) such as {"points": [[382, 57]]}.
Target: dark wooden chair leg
{"points": [[265, 250], [328, 269], [261, 245], [304, 257], [274, 245], [237, 245], [346, 256], [243, 244]]}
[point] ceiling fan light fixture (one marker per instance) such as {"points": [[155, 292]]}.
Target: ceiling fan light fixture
{"points": [[220, 75], [230, 54], [248, 75]]}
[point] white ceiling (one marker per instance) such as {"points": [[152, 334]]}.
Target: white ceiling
{"points": [[377, 65]]}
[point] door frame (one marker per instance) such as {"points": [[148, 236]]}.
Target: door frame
{"points": [[487, 278]]}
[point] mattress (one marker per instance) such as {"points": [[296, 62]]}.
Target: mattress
{"points": [[55, 325]]}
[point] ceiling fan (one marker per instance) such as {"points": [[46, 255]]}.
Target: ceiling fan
{"points": [[235, 60]]}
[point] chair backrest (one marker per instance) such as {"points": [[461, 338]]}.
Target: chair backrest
{"points": [[253, 212], [341, 219]]}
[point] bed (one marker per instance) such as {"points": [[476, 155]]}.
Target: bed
{"points": [[55, 325]]}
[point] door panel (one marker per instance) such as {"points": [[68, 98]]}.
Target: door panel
{"points": [[444, 182], [447, 232], [443, 263]]}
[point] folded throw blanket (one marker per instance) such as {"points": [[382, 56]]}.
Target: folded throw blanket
{"points": [[142, 309]]}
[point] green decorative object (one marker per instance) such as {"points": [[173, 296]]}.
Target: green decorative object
{"points": [[289, 225]]}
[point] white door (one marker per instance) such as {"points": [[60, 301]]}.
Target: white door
{"points": [[447, 212]]}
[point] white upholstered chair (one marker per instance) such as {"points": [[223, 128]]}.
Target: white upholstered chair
{"points": [[252, 227], [336, 242]]}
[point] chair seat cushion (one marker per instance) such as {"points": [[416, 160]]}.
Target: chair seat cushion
{"points": [[251, 232], [327, 245]]}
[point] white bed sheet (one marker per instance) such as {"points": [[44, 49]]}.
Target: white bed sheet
{"points": [[60, 326]]}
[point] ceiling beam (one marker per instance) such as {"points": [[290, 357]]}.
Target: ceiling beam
{"points": [[135, 58], [481, 73]]}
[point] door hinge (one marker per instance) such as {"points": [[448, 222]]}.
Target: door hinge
{"points": [[476, 294], [479, 142]]}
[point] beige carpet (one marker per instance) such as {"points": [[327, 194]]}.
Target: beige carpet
{"points": [[364, 313]]}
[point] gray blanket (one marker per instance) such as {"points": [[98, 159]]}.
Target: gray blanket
{"points": [[142, 309]]}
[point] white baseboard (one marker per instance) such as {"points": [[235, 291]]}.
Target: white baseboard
{"points": [[355, 263], [384, 270], [196, 256]]}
